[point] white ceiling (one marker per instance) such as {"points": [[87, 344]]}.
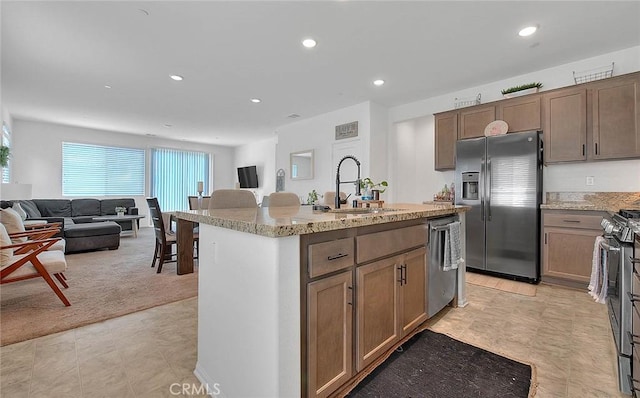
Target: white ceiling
{"points": [[58, 56]]}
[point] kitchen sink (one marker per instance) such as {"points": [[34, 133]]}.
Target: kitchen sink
{"points": [[363, 210]]}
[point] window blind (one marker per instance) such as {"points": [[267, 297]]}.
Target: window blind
{"points": [[94, 170], [175, 175]]}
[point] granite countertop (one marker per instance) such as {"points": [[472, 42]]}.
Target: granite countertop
{"points": [[287, 221], [596, 201]]}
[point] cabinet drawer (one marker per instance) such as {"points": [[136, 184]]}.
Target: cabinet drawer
{"points": [[331, 256], [572, 221], [381, 244]]}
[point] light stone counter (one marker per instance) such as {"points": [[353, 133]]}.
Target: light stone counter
{"points": [[596, 201], [276, 222]]}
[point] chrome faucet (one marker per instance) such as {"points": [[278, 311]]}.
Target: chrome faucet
{"points": [[338, 182]]}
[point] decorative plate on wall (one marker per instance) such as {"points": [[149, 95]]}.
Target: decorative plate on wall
{"points": [[497, 127]]}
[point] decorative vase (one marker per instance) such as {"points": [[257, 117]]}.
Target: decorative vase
{"points": [[366, 195], [120, 213], [376, 194]]}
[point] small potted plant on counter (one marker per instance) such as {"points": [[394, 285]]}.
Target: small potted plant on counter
{"points": [[372, 189], [120, 211], [524, 89]]}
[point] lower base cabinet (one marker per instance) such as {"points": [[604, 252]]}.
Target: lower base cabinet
{"points": [[330, 331], [567, 245], [391, 302]]}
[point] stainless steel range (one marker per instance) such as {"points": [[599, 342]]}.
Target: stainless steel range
{"points": [[618, 248]]}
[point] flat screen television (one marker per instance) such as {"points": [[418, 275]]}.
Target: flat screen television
{"points": [[248, 177]]}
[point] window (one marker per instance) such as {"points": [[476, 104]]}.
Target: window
{"points": [[6, 141], [175, 175], [94, 170]]}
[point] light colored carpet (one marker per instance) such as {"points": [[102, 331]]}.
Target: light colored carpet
{"points": [[506, 285], [102, 285]]}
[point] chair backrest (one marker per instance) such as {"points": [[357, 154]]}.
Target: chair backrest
{"points": [[232, 199], [330, 198], [158, 220], [280, 199], [193, 202]]}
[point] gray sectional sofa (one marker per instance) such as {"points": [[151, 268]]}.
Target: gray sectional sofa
{"points": [[79, 230]]}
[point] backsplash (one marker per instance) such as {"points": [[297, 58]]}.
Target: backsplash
{"points": [[605, 200]]}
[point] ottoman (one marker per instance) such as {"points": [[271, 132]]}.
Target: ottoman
{"points": [[91, 236]]}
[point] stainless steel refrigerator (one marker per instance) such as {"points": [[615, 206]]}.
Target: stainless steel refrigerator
{"points": [[500, 177]]}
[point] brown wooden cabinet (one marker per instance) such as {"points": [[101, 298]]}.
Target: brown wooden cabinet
{"points": [[567, 245], [474, 120], [330, 333], [593, 121], [616, 116], [377, 309], [392, 302], [446, 135], [521, 114], [413, 290], [565, 125]]}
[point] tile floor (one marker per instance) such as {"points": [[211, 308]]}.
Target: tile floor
{"points": [[563, 332]]}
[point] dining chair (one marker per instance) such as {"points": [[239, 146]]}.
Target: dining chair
{"points": [[280, 199], [193, 202], [165, 237], [232, 199], [32, 259]]}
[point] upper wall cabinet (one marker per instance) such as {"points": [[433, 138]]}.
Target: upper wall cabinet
{"points": [[521, 114], [565, 125], [474, 120], [446, 133], [593, 121], [616, 117]]}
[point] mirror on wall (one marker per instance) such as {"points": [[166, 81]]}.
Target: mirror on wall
{"points": [[302, 165]]}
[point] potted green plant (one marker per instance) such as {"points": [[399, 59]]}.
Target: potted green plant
{"points": [[312, 198], [5, 152], [373, 189], [523, 89], [120, 211]]}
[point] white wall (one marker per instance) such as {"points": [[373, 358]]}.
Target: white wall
{"points": [[411, 141], [318, 133], [261, 154], [37, 155]]}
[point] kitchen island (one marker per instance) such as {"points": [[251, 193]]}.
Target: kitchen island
{"points": [[252, 301]]}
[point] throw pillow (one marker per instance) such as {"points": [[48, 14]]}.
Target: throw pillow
{"points": [[12, 222], [19, 210], [6, 255], [30, 208]]}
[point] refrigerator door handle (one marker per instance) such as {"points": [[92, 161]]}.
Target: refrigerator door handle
{"points": [[488, 189], [481, 187]]}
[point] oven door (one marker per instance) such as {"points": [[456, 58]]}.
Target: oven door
{"points": [[610, 249]]}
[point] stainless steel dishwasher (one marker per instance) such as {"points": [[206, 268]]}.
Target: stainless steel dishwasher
{"points": [[441, 284]]}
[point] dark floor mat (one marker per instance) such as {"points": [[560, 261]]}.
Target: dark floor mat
{"points": [[434, 365]]}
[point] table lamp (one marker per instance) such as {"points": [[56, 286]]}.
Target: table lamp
{"points": [[200, 190]]}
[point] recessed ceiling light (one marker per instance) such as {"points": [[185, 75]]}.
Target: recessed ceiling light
{"points": [[378, 82], [176, 77], [256, 100], [528, 31], [143, 11], [168, 125], [309, 43], [107, 86]]}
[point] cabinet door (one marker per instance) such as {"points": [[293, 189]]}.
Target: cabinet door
{"points": [[568, 253], [446, 134], [377, 309], [616, 119], [521, 114], [473, 121], [413, 290], [330, 333], [565, 125]]}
